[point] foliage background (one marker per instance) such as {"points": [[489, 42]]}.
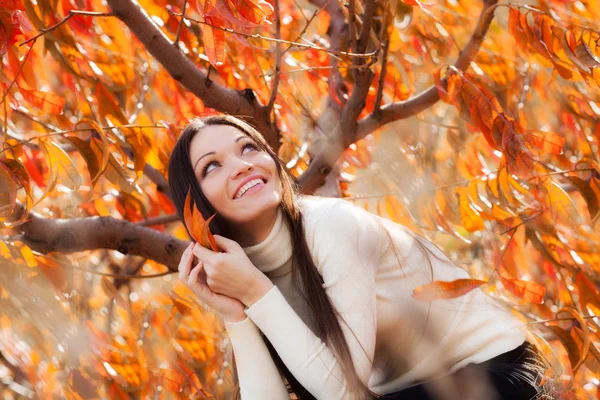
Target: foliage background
{"points": [[502, 173]]}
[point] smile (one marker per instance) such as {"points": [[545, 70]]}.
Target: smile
{"points": [[251, 187]]}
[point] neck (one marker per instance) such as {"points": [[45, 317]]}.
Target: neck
{"points": [[255, 231]]}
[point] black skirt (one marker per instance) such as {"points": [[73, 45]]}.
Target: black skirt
{"points": [[514, 375]]}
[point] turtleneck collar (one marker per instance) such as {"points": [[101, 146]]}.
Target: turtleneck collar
{"points": [[273, 255]]}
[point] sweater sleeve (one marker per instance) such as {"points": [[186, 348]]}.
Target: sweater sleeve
{"points": [[345, 245], [257, 373]]}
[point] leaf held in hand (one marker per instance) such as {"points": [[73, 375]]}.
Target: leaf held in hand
{"points": [[199, 228]]}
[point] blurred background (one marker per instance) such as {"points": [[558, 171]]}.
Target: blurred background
{"points": [[474, 123]]}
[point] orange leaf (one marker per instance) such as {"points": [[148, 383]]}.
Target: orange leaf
{"points": [[208, 240], [546, 141], [470, 217], [54, 271], [529, 291], [446, 289], [46, 102], [198, 228]]}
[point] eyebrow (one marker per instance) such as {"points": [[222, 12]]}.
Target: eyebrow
{"points": [[212, 152]]}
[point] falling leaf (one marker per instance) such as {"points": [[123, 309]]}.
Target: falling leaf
{"points": [[446, 289]]}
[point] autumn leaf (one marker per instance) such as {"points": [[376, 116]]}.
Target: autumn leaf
{"points": [[198, 228], [213, 39], [111, 291], [528, 291], [46, 102], [446, 289], [548, 142]]}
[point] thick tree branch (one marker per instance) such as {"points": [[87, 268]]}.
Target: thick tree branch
{"points": [[243, 104], [349, 131], [80, 234], [343, 133], [422, 101]]}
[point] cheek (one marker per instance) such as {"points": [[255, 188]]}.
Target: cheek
{"points": [[214, 190]]}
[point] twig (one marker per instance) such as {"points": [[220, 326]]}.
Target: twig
{"points": [[522, 222], [163, 219], [17, 74], [365, 29], [270, 39], [176, 41], [78, 130], [277, 59], [543, 321], [502, 255], [71, 14], [352, 24], [308, 22], [379, 96]]}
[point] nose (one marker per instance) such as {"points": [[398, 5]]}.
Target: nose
{"points": [[242, 167]]}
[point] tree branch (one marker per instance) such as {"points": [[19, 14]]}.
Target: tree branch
{"points": [[80, 234], [427, 98], [338, 33], [180, 27], [277, 59], [343, 133], [349, 131], [243, 104]]}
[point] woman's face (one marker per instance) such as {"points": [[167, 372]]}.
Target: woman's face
{"points": [[237, 177]]}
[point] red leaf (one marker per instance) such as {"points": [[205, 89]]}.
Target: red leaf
{"points": [[12, 5], [249, 10], [214, 40], [446, 289], [79, 23], [46, 102]]}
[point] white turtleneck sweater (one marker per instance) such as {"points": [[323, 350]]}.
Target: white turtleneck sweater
{"points": [[409, 341]]}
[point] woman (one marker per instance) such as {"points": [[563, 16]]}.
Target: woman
{"points": [[319, 291]]}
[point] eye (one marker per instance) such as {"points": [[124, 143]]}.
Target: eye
{"points": [[249, 145], [205, 169]]}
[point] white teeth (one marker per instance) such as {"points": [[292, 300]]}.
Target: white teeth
{"points": [[247, 186]]}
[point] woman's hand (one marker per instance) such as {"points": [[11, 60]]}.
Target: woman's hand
{"points": [[231, 310], [232, 273]]}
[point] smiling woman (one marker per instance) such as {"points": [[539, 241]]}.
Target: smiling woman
{"points": [[317, 300]]}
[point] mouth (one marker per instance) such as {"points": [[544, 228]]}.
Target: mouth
{"points": [[250, 187]]}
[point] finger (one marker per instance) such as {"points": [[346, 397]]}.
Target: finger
{"points": [[225, 244], [203, 253], [197, 285], [186, 262], [196, 272]]}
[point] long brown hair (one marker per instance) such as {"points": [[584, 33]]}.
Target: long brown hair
{"points": [[305, 275]]}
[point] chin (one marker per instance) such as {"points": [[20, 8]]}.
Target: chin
{"points": [[256, 206]]}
